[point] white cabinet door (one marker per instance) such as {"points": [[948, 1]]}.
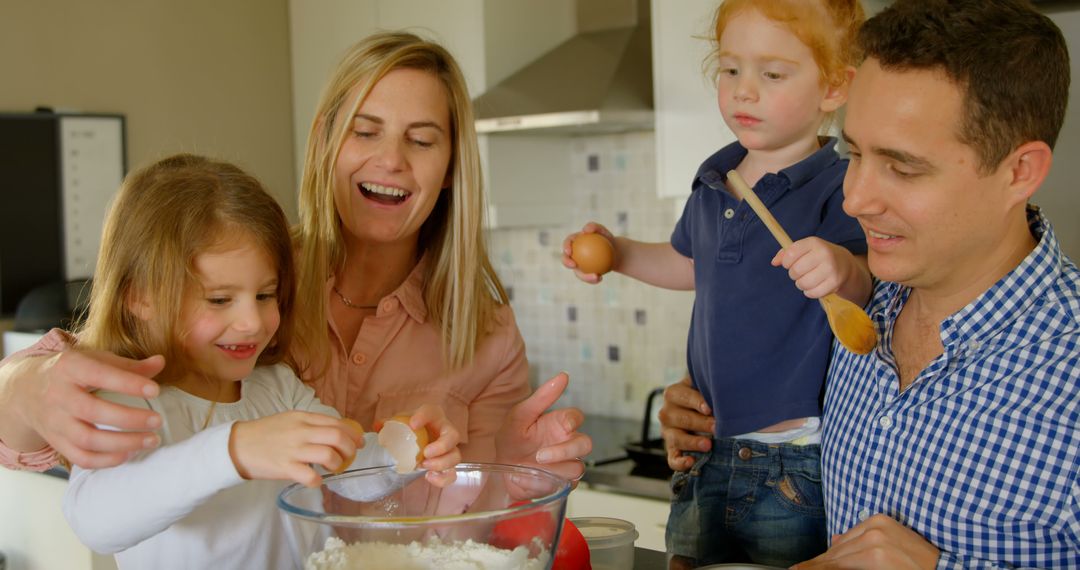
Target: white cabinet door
{"points": [[688, 123], [648, 515]]}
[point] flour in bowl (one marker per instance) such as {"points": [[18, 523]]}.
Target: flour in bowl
{"points": [[430, 555]]}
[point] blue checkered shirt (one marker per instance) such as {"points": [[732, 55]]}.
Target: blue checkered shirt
{"points": [[980, 454]]}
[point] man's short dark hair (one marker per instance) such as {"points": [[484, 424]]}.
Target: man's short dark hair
{"points": [[1010, 62]]}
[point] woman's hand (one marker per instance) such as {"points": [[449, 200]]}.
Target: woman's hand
{"points": [[442, 453], [548, 440], [48, 399], [285, 445], [683, 416]]}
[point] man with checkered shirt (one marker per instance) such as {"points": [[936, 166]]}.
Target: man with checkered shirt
{"points": [[955, 443]]}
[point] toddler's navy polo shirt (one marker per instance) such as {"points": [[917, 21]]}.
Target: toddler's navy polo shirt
{"points": [[758, 349]]}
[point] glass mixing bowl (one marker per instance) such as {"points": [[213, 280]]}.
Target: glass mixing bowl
{"points": [[490, 516]]}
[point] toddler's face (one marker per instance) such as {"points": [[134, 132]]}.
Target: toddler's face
{"points": [[232, 317], [769, 88]]}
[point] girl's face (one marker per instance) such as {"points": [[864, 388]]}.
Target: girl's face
{"points": [[231, 318], [396, 159], [769, 87]]}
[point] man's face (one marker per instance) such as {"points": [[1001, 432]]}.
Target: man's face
{"points": [[932, 221]]}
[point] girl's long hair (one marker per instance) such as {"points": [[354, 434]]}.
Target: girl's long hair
{"points": [[462, 290], [163, 217]]}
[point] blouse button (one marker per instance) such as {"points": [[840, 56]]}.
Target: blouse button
{"points": [[359, 358], [729, 213]]}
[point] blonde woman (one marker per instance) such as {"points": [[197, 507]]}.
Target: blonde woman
{"points": [[398, 303]]}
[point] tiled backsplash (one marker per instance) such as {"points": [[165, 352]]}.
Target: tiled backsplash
{"points": [[620, 339]]}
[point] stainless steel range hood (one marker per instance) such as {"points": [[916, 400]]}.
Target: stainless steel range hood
{"points": [[599, 81]]}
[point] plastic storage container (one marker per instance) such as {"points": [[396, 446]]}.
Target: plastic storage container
{"points": [[611, 541]]}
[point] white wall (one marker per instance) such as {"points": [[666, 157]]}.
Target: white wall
{"points": [[196, 76], [1060, 196]]}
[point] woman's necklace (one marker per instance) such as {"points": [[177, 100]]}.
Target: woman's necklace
{"points": [[349, 303]]}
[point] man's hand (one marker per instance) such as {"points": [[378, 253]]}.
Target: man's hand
{"points": [[683, 416], [877, 542], [548, 440], [49, 400]]}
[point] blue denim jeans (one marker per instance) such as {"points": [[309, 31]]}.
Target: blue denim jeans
{"points": [[747, 501]]}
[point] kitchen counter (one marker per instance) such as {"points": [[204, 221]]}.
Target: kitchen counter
{"points": [[645, 559]]}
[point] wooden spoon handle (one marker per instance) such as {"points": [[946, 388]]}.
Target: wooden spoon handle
{"points": [[736, 183]]}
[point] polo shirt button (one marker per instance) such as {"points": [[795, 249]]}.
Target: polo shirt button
{"points": [[745, 454], [864, 514], [359, 358], [885, 422], [729, 213]]}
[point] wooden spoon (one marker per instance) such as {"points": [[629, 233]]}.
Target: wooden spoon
{"points": [[849, 323]]}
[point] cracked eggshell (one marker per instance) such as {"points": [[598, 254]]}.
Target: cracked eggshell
{"points": [[404, 444]]}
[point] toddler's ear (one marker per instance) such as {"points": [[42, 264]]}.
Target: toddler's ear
{"points": [[836, 91], [139, 305]]}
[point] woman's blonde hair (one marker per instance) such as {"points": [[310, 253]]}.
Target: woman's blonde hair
{"points": [[461, 288], [828, 27], [163, 217]]}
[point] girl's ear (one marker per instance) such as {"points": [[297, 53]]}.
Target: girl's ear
{"points": [[836, 91], [139, 305]]}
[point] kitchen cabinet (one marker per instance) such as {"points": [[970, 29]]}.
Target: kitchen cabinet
{"points": [[33, 532], [648, 515], [688, 123]]}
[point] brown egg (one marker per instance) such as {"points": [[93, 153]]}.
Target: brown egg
{"points": [[592, 253], [348, 460]]}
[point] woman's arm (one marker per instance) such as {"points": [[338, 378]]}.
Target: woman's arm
{"points": [[45, 401]]}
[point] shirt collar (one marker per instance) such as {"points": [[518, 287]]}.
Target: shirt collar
{"points": [[714, 170], [410, 294], [1001, 303], [1014, 293]]}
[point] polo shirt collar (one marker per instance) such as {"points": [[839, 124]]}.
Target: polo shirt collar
{"points": [[714, 170]]}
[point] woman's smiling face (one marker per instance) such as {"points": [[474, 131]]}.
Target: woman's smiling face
{"points": [[396, 158]]}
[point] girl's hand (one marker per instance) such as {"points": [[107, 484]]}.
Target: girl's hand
{"points": [[567, 249], [283, 446], [442, 453]]}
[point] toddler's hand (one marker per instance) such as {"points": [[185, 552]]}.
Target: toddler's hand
{"points": [[283, 446], [816, 266], [567, 249], [442, 453]]}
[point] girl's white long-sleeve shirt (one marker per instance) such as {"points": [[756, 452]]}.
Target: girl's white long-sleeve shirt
{"points": [[183, 505]]}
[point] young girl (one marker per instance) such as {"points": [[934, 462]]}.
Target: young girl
{"points": [[759, 347], [196, 265]]}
